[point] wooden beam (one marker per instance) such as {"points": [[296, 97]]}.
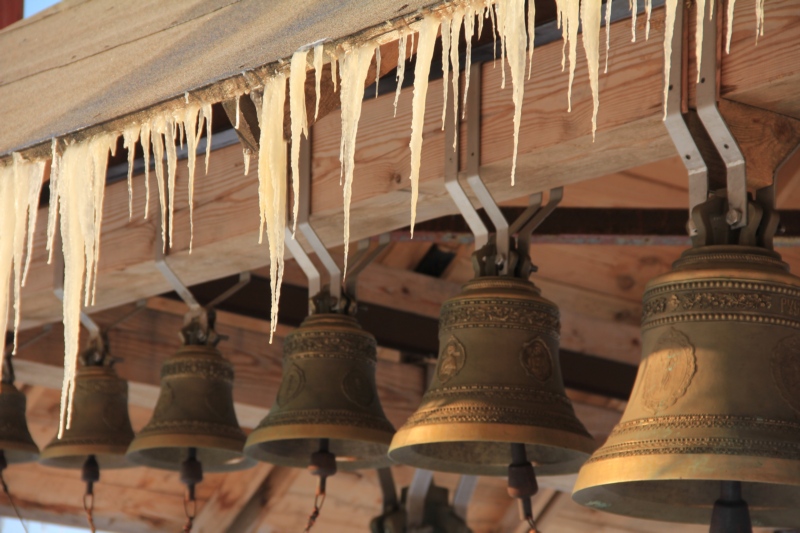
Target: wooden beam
{"points": [[555, 148]]}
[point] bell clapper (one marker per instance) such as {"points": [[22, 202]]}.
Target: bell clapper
{"points": [[191, 475], [323, 464], [522, 483], [90, 474], [731, 514]]}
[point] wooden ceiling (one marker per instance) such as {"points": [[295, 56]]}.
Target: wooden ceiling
{"points": [[598, 287]]}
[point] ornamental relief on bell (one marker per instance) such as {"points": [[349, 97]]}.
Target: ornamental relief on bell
{"points": [[357, 386], [668, 371], [498, 314], [292, 383], [786, 370], [536, 359], [706, 301], [451, 360]]}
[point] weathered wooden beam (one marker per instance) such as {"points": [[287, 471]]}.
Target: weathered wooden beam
{"points": [[555, 148]]}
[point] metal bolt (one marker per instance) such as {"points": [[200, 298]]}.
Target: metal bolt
{"points": [[733, 216]]}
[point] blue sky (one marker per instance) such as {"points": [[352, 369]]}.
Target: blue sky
{"points": [[34, 6]]}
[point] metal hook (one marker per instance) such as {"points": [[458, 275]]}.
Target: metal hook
{"points": [[676, 125], [307, 230]]}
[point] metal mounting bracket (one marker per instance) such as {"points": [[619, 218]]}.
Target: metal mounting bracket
{"points": [[307, 230], [712, 120], [530, 219]]}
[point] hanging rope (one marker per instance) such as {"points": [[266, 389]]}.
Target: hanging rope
{"points": [[11, 501], [88, 506], [319, 501], [190, 508]]}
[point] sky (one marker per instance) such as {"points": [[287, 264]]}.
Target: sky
{"points": [[12, 525], [34, 6]]}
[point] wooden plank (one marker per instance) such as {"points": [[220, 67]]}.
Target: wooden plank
{"points": [[225, 505], [765, 76], [554, 148]]}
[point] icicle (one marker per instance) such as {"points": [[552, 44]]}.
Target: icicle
{"points": [[129, 137], [634, 7], [272, 185], [671, 8], [157, 129], [20, 187], [190, 126], [759, 19], [590, 21], [446, 65], [377, 69], [182, 132], [568, 15], [246, 155], [532, 34], [52, 213], [698, 34], [401, 68], [297, 108], [511, 25], [172, 167], [648, 9], [469, 30], [608, 32], [317, 75], [145, 140], [81, 178], [429, 29], [729, 33], [498, 24], [455, 37], [207, 112], [355, 67], [491, 16], [412, 45], [334, 73]]}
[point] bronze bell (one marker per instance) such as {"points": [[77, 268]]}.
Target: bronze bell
{"points": [[328, 396], [100, 424], [713, 422], [16, 443], [497, 387], [194, 415]]}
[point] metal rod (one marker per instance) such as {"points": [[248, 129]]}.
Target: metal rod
{"points": [[415, 497], [244, 279], [675, 123], [362, 260], [195, 309], [464, 491], [725, 143]]}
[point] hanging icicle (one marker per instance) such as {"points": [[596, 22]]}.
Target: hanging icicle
{"points": [[355, 67], [428, 30], [671, 8], [318, 57], [129, 137], [568, 16], [20, 188], [401, 68], [729, 32], [78, 180], [297, 109], [272, 185], [514, 38], [590, 21], [608, 32]]}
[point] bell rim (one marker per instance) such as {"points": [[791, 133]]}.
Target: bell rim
{"points": [[136, 452], [592, 485], [253, 450], [71, 456], [18, 452], [402, 449]]}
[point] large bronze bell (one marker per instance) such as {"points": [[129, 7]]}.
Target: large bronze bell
{"points": [[16, 443], [101, 427], [714, 415], [328, 393], [194, 416], [497, 383]]}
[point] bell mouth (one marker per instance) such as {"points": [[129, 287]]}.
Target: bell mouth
{"points": [[167, 452], [664, 489], [17, 452], [461, 449], [292, 445], [74, 455]]}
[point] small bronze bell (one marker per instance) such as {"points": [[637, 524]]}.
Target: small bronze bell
{"points": [[714, 415], [194, 416], [328, 392], [16, 443], [497, 382], [100, 424]]}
